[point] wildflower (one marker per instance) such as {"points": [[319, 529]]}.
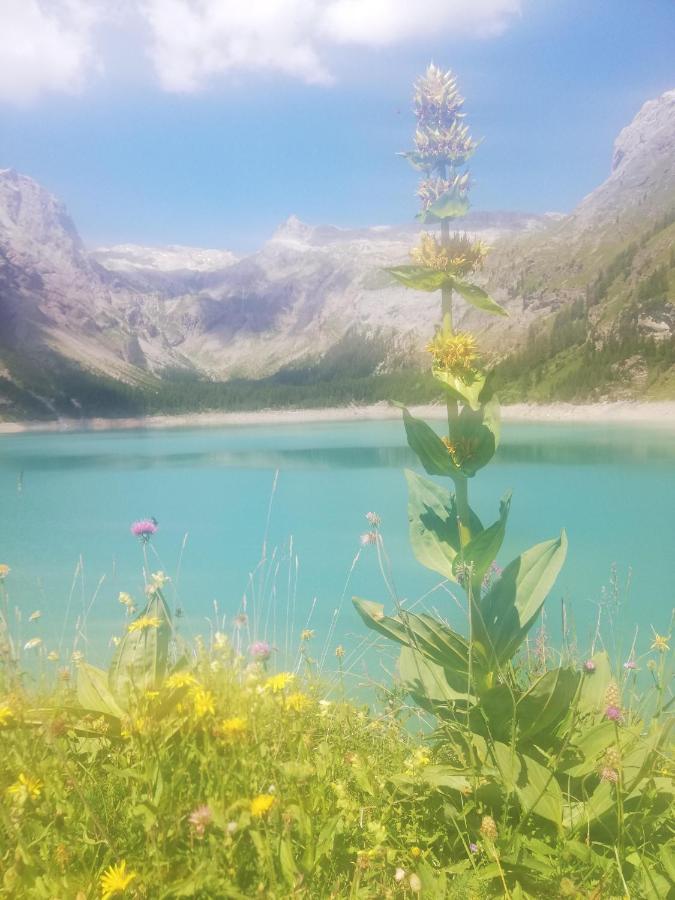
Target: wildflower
{"points": [[115, 641], [612, 757], [630, 665], [415, 852], [415, 883], [324, 706], [307, 634], [4, 571], [203, 703], [260, 650], [219, 640], [199, 819], [297, 701], [473, 848], [488, 828], [607, 774], [240, 620], [612, 694], [77, 656], [261, 805], [159, 579], [418, 760], [53, 656], [116, 879], [32, 643], [5, 715], [589, 666], [234, 727], [142, 623], [660, 642], [144, 529], [34, 616], [126, 599], [454, 353], [231, 827], [180, 679], [339, 651], [373, 519], [399, 874], [25, 788], [370, 537], [651, 665], [279, 682], [461, 255], [613, 713]]}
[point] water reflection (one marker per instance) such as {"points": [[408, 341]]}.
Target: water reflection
{"points": [[530, 448]]}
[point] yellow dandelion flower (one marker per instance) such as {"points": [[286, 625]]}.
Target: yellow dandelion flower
{"points": [[203, 703], [297, 701], [660, 642], [4, 571], [415, 852], [142, 623], [279, 682], [25, 787], [262, 804], [116, 879], [180, 680], [233, 727], [5, 715]]}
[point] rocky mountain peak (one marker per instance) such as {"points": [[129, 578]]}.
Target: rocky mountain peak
{"points": [[651, 131]]}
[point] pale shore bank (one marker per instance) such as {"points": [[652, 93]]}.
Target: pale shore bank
{"points": [[661, 414]]}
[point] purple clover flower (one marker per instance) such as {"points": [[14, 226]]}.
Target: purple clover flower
{"points": [[144, 529], [260, 650], [613, 713], [589, 666], [473, 848]]}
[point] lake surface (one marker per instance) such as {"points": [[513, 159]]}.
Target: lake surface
{"points": [[67, 501]]}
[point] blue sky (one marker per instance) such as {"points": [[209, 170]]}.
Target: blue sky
{"points": [[169, 124]]}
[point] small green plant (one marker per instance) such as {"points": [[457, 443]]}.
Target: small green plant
{"points": [[532, 756]]}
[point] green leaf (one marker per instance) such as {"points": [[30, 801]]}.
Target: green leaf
{"points": [[477, 297], [475, 436], [140, 660], [93, 692], [451, 205], [429, 684], [432, 515], [467, 390], [508, 610], [546, 703], [421, 278], [595, 684], [482, 550], [430, 449]]}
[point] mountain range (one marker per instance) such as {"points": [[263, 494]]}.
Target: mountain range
{"points": [[78, 325]]}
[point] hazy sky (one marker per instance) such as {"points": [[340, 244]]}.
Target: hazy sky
{"points": [[208, 122]]}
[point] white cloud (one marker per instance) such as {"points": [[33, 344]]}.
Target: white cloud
{"points": [[54, 46], [193, 40], [45, 45]]}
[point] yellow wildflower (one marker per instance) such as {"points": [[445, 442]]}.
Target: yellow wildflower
{"points": [[415, 852], [234, 727], [660, 642], [418, 760], [459, 257], [262, 804], [453, 352], [5, 715], [4, 571], [279, 682], [297, 701], [180, 680], [307, 634], [142, 623], [203, 702], [116, 879], [25, 787]]}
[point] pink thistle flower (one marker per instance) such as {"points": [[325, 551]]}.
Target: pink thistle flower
{"points": [[370, 537], [613, 713], [589, 666], [144, 529], [631, 665], [200, 818], [260, 650]]}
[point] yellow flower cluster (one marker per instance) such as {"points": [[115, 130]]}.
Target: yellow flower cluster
{"points": [[460, 256], [261, 805], [454, 353], [25, 787], [5, 715]]}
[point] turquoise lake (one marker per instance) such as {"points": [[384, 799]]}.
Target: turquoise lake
{"points": [[71, 497]]}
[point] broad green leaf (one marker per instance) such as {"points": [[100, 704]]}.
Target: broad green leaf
{"points": [[93, 691], [468, 390], [546, 703], [508, 610], [477, 297], [140, 660], [421, 278], [286, 862], [430, 684], [474, 435], [430, 449], [445, 777], [482, 550], [451, 205], [432, 515], [539, 792], [595, 684]]}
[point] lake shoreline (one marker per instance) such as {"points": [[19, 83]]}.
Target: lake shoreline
{"points": [[657, 414]]}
